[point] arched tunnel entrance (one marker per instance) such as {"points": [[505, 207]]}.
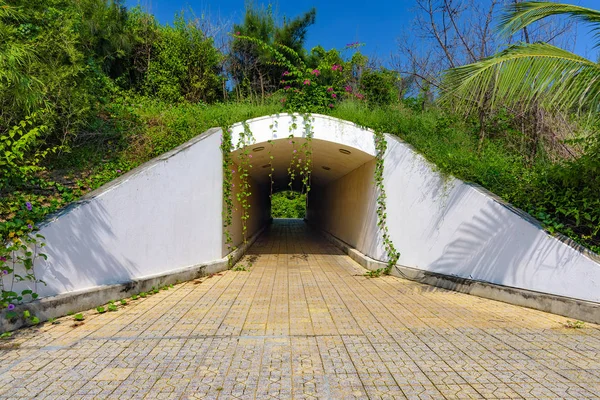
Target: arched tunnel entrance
{"points": [[333, 165]]}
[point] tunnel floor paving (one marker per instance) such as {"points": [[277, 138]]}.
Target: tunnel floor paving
{"points": [[303, 322]]}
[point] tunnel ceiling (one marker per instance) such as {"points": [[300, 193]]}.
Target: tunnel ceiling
{"points": [[328, 162]]}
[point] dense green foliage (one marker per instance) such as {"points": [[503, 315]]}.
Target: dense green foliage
{"points": [[542, 80], [186, 65], [288, 204]]}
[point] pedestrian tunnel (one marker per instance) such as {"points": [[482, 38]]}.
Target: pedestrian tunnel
{"points": [[168, 220], [334, 163]]}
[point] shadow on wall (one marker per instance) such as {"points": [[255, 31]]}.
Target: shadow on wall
{"points": [[159, 217], [259, 212], [433, 188], [78, 254], [497, 249]]}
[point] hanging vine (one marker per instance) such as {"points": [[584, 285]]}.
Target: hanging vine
{"points": [[294, 159], [228, 171], [306, 170], [392, 253], [244, 166], [273, 128]]}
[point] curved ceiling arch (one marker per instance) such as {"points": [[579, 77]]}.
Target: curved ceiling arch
{"points": [[338, 147]]}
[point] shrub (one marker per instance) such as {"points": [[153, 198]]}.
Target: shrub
{"points": [[288, 204]]}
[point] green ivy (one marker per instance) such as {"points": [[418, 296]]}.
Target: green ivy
{"points": [[273, 127], [244, 166], [392, 253], [293, 160], [17, 264], [226, 145], [305, 164]]}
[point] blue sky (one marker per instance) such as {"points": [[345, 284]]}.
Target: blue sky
{"points": [[377, 24]]}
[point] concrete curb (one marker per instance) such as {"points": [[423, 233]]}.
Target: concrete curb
{"points": [[565, 306], [58, 306]]}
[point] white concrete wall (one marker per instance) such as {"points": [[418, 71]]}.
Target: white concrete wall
{"points": [[346, 209], [162, 216]]}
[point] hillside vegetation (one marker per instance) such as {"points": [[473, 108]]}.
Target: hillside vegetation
{"points": [[90, 89]]}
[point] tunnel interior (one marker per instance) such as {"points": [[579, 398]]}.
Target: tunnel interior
{"points": [[330, 161], [341, 183]]}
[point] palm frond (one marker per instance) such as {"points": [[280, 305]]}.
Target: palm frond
{"points": [[519, 15], [524, 74]]}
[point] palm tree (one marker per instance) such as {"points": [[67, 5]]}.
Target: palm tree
{"points": [[530, 75]]}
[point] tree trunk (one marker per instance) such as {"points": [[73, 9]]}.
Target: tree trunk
{"points": [[535, 137], [262, 88], [481, 128]]}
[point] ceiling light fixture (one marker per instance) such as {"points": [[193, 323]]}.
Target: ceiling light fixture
{"points": [[325, 168], [344, 151], [261, 148]]}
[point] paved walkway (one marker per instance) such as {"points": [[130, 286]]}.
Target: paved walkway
{"points": [[303, 322]]}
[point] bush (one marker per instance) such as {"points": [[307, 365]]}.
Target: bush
{"points": [[288, 204], [185, 65], [379, 87]]}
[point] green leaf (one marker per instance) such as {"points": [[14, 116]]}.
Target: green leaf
{"points": [[524, 75], [520, 15], [11, 315]]}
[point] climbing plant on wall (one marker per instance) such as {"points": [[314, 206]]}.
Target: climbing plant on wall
{"points": [[18, 256], [244, 166], [228, 185], [295, 160], [380, 149], [305, 163], [273, 128]]}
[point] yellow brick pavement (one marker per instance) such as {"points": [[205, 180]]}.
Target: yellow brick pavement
{"points": [[303, 322]]}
